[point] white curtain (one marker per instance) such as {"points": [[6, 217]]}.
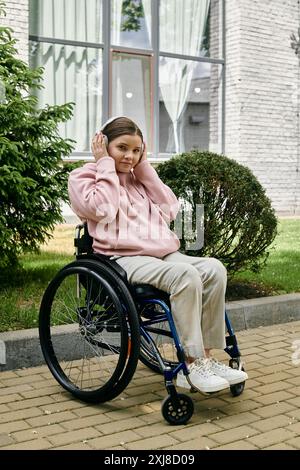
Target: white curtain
{"points": [[148, 18], [182, 25], [116, 20], [71, 73], [131, 74], [67, 19]]}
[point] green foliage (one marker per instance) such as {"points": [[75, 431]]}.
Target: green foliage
{"points": [[32, 177], [132, 10], [239, 222]]}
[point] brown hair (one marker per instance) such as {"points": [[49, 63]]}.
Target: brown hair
{"points": [[121, 126]]}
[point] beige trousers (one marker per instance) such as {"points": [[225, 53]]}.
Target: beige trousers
{"points": [[197, 295]]}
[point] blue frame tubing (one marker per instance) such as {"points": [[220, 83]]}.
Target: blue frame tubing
{"points": [[231, 343], [168, 372]]}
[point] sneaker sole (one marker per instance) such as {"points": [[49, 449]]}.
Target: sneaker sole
{"points": [[237, 381], [186, 384]]}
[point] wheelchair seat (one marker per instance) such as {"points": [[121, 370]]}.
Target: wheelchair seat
{"points": [[146, 291]]}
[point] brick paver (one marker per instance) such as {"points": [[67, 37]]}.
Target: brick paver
{"points": [[36, 413]]}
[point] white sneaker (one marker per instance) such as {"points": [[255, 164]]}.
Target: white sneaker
{"points": [[202, 378], [233, 376]]}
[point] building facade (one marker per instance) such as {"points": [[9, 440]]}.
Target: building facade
{"points": [[207, 74], [262, 96]]}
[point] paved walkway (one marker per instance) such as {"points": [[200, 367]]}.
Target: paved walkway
{"points": [[36, 413]]}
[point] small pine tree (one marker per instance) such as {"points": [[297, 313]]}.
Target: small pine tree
{"points": [[32, 177]]}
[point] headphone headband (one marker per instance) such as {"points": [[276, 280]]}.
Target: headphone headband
{"points": [[110, 120], [113, 119]]}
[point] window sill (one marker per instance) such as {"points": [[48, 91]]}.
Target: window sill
{"points": [[86, 157]]}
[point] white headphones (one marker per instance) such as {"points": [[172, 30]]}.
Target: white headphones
{"points": [[111, 120]]}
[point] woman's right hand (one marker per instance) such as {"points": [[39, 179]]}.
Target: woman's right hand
{"points": [[98, 146]]}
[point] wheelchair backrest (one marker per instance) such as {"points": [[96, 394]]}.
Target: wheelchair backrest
{"points": [[83, 242]]}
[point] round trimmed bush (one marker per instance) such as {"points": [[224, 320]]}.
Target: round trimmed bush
{"points": [[239, 222]]}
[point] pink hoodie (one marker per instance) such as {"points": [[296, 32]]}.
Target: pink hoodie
{"points": [[127, 213]]}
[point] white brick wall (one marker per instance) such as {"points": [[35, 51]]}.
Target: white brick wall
{"points": [[233, 73], [17, 19], [261, 102], [215, 89]]}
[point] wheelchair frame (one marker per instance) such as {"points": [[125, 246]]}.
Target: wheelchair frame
{"points": [[177, 408]]}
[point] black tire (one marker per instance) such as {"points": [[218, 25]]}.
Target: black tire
{"points": [[94, 352], [161, 334], [180, 414], [237, 389]]}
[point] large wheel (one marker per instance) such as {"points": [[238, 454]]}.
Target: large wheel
{"points": [[161, 335], [89, 331]]}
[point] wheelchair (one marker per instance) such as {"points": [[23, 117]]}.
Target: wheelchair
{"points": [[94, 327]]}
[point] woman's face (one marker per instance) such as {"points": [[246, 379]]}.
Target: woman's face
{"points": [[126, 151]]}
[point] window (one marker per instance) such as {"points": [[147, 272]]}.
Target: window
{"points": [[72, 74], [131, 90], [191, 120], [63, 33], [131, 24], [74, 20], [182, 25], [190, 84], [157, 61]]}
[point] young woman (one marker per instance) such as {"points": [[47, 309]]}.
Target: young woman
{"points": [[128, 210]]}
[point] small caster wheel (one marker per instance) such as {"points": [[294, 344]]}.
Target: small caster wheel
{"points": [[236, 389], [180, 414]]}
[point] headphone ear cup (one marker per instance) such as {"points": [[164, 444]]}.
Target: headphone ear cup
{"points": [[105, 140]]}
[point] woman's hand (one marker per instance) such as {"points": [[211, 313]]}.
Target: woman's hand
{"points": [[98, 146]]}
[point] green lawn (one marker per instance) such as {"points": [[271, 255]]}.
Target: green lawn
{"points": [[21, 292], [281, 275]]}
